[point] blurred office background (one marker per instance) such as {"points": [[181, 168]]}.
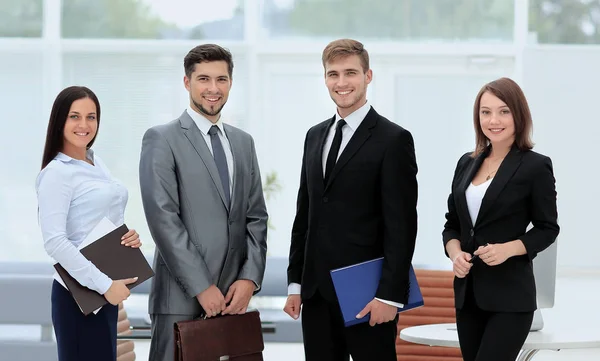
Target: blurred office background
{"points": [[429, 58]]}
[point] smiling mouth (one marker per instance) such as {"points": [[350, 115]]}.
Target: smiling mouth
{"points": [[212, 99], [345, 92], [496, 130], [82, 134]]}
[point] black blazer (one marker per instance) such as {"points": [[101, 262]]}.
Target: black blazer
{"points": [[521, 193], [367, 209]]}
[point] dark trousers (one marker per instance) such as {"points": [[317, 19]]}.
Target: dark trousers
{"points": [[80, 337], [327, 339], [490, 336]]}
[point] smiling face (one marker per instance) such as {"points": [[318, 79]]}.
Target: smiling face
{"points": [[496, 120], [347, 83], [209, 87], [81, 126]]}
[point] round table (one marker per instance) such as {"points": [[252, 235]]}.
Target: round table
{"points": [[547, 339]]}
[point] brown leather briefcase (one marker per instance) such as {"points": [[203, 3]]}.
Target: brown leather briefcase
{"points": [[229, 337]]}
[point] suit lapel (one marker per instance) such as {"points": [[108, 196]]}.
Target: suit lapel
{"points": [[317, 152], [234, 143], [195, 137], [358, 139], [466, 181], [507, 169]]}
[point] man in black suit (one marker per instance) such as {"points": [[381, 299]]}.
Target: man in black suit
{"points": [[356, 202]]}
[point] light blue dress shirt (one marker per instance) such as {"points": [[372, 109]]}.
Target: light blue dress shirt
{"points": [[73, 196]]}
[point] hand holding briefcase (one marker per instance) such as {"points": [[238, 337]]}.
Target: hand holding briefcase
{"points": [[228, 337]]}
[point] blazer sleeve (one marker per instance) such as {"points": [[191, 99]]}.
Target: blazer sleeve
{"points": [[256, 227], [544, 214], [299, 227], [399, 209], [160, 199], [452, 225]]}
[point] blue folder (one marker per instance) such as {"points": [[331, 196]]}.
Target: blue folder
{"points": [[356, 286]]}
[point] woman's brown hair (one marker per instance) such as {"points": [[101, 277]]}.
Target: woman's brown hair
{"points": [[510, 93]]}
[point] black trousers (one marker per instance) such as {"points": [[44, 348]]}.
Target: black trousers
{"points": [[80, 337], [490, 336], [327, 339]]}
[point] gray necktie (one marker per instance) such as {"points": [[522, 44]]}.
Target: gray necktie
{"points": [[220, 160]]}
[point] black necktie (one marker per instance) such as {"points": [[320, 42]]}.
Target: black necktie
{"points": [[220, 160], [335, 149]]}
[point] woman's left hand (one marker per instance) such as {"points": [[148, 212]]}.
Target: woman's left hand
{"points": [[493, 254], [131, 239]]}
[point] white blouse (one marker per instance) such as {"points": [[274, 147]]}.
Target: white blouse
{"points": [[73, 196], [474, 195]]}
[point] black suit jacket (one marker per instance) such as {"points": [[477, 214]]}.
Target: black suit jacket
{"points": [[521, 193], [367, 209]]}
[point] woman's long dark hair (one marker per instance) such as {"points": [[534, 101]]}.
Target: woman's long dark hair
{"points": [[58, 118]]}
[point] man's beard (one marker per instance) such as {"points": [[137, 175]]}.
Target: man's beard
{"points": [[205, 111]]}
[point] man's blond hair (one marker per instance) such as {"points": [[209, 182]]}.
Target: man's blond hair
{"points": [[343, 48]]}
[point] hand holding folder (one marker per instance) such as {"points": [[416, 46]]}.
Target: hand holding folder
{"points": [[356, 286], [113, 259]]}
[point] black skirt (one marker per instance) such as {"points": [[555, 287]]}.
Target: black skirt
{"points": [[80, 337]]}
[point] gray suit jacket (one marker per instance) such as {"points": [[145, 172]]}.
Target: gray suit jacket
{"points": [[200, 241]]}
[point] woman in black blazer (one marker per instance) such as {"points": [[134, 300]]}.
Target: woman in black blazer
{"points": [[497, 192]]}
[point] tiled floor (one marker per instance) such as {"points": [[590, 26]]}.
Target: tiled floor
{"points": [[577, 301]]}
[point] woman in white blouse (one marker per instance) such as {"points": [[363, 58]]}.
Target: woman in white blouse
{"points": [[75, 192]]}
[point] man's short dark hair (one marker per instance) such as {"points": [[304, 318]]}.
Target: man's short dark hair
{"points": [[207, 53]]}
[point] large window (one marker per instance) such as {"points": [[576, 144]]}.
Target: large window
{"points": [[153, 19], [565, 21], [21, 18], [406, 20]]}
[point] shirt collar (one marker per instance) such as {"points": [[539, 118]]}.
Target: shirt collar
{"points": [[354, 119], [203, 123], [66, 159]]}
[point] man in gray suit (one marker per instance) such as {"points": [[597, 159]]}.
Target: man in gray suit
{"points": [[204, 204]]}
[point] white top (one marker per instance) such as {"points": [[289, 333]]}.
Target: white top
{"points": [[474, 195], [204, 125], [73, 197], [546, 339]]}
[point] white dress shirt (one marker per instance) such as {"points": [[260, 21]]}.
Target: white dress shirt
{"points": [[353, 121], [73, 196], [204, 126]]}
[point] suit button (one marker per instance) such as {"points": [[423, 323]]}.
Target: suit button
{"points": [[472, 232], [230, 223], [325, 199]]}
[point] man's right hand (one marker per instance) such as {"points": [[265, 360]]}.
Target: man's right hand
{"points": [[461, 264], [118, 291], [293, 305], [212, 301]]}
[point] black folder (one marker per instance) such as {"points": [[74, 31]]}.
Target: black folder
{"points": [[111, 258]]}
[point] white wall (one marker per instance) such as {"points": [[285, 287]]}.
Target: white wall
{"points": [[561, 83]]}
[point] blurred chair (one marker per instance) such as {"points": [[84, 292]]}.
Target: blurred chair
{"points": [[125, 348], [438, 296]]}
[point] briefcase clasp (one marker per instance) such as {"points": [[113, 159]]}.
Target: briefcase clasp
{"points": [[223, 358]]}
